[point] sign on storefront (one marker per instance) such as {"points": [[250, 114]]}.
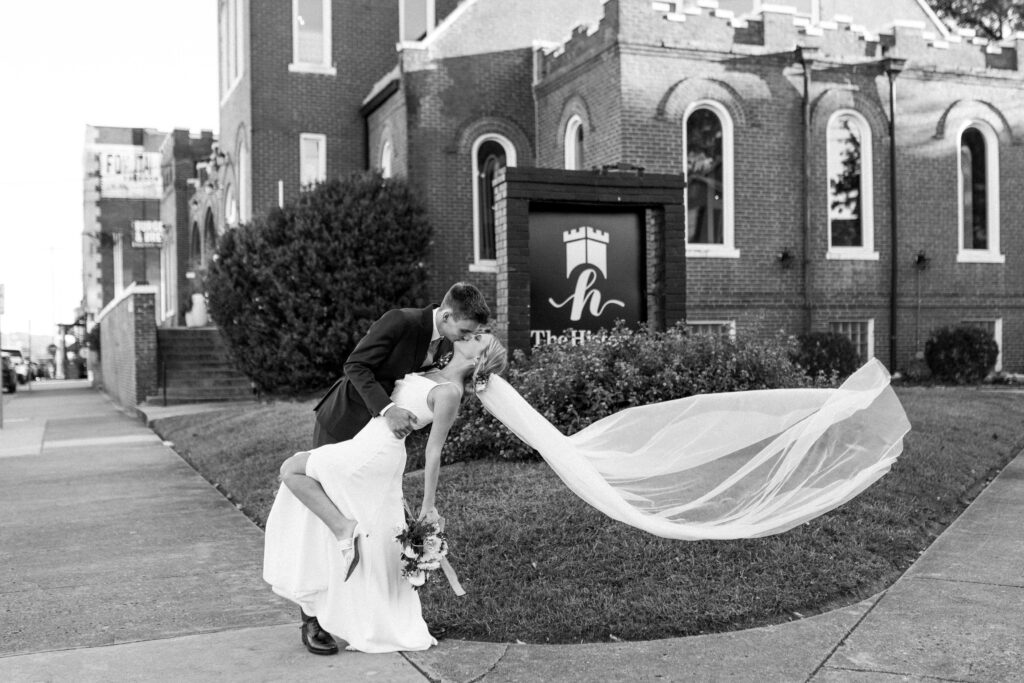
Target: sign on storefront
{"points": [[147, 234], [128, 172]]}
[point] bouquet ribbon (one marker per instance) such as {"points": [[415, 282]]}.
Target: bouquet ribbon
{"points": [[446, 566]]}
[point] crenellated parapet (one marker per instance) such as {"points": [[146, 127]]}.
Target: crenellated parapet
{"points": [[702, 25]]}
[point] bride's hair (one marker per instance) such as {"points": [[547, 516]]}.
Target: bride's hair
{"points": [[494, 357], [492, 361]]}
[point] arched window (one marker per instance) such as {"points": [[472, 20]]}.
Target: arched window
{"points": [[978, 184], [195, 247], [851, 231], [707, 141], [574, 143], [230, 207], [490, 154], [209, 238], [386, 154]]}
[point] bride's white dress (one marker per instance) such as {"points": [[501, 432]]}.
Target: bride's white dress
{"points": [[376, 610]]}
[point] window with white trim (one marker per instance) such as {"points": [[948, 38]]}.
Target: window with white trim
{"points": [[491, 153], [416, 18], [717, 328], [994, 326], [312, 159], [707, 143], [851, 232], [387, 153], [978, 190], [232, 46], [860, 332], [574, 143], [311, 37]]}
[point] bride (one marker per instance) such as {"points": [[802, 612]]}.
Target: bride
{"points": [[713, 466], [337, 558]]}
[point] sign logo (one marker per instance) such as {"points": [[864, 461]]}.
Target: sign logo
{"points": [[586, 272], [587, 247]]}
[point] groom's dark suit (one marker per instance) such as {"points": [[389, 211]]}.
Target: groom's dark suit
{"points": [[394, 346]]}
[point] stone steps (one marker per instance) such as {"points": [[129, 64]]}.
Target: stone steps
{"points": [[196, 368]]}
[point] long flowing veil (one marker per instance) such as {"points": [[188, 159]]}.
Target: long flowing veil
{"points": [[718, 466]]}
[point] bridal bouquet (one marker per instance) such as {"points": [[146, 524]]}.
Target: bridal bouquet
{"points": [[424, 546]]}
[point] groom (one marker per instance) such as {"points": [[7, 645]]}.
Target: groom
{"points": [[402, 341]]}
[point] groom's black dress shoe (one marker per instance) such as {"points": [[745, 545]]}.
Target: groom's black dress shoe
{"points": [[317, 640]]}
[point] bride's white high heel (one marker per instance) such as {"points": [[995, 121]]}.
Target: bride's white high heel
{"points": [[350, 548]]}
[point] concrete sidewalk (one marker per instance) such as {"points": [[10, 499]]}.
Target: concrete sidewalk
{"points": [[121, 563]]}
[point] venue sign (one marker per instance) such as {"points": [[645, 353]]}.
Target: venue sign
{"points": [[586, 272]]}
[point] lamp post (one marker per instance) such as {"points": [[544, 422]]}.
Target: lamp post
{"points": [[892, 67]]}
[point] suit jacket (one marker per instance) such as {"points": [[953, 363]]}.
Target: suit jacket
{"points": [[394, 346]]}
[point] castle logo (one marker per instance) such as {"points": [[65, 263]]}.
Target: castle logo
{"points": [[586, 247]]}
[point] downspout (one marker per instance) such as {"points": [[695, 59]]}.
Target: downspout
{"points": [[805, 56], [893, 67]]}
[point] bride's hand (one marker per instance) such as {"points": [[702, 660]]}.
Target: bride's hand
{"points": [[431, 516]]}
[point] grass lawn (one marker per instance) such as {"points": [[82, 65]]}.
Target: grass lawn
{"points": [[540, 565]]}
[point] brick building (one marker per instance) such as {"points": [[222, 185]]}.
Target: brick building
{"points": [[184, 158], [122, 189], [781, 118]]}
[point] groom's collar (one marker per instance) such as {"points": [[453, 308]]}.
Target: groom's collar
{"points": [[434, 332]]}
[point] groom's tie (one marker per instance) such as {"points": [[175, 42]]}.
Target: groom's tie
{"points": [[428, 360], [443, 353]]}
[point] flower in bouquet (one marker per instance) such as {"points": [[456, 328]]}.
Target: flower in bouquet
{"points": [[424, 544]]}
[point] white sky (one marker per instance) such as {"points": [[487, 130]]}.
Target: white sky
{"points": [[63, 64]]}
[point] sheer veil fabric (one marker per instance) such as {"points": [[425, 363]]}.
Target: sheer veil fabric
{"points": [[720, 466]]}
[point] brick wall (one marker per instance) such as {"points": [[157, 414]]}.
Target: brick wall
{"points": [[128, 346], [443, 124], [666, 65], [285, 104]]}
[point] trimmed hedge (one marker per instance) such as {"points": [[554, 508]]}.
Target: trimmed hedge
{"points": [[962, 355], [827, 353], [573, 386], [292, 294]]}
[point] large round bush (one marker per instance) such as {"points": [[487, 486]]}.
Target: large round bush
{"points": [[573, 386], [293, 293], [826, 353], [961, 354]]}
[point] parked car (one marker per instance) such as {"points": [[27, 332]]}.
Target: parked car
{"points": [[21, 368], [10, 382]]}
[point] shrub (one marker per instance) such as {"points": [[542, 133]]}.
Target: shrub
{"points": [[573, 386], [961, 354], [294, 292], [827, 353]]}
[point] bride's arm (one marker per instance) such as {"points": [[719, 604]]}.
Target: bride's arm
{"points": [[445, 407]]}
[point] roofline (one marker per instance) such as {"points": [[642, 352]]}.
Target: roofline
{"points": [[943, 29]]}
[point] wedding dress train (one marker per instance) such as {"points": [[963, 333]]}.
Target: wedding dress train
{"points": [[718, 466]]}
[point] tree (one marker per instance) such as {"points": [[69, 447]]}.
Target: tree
{"points": [[294, 292], [993, 19]]}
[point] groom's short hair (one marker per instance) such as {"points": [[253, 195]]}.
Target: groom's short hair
{"points": [[466, 301]]}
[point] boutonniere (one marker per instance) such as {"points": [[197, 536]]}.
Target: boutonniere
{"points": [[443, 360]]}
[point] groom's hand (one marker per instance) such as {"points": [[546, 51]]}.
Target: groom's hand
{"points": [[400, 421]]}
